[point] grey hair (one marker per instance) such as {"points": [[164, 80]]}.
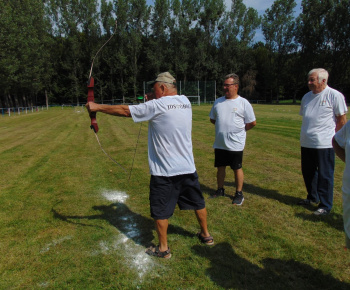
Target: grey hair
{"points": [[170, 86], [232, 76], [322, 74]]}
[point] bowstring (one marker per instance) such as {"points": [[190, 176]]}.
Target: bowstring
{"points": [[99, 143], [98, 140], [137, 142]]}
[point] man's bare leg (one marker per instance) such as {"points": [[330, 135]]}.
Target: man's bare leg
{"points": [[239, 179], [162, 231], [220, 176], [201, 215]]}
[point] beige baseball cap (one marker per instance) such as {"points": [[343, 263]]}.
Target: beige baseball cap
{"points": [[164, 77]]}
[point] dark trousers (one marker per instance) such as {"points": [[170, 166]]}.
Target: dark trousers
{"points": [[317, 166]]}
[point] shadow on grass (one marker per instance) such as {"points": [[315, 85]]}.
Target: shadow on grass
{"points": [[333, 220], [229, 270], [134, 226], [252, 189]]}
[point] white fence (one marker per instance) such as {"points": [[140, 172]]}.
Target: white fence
{"points": [[20, 110]]}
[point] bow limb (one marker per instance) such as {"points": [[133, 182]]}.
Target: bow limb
{"points": [[91, 82]]}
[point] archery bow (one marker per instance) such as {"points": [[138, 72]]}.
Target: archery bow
{"points": [[91, 98]]}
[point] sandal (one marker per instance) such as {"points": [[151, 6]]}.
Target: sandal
{"points": [[154, 251], [209, 241]]}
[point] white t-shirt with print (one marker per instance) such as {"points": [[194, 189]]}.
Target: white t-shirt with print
{"points": [[319, 113], [230, 117], [169, 134], [343, 139]]}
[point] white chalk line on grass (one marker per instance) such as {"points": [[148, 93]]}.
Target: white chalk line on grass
{"points": [[118, 196], [48, 247], [54, 243], [134, 254]]}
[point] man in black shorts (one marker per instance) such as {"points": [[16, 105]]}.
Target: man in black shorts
{"points": [[174, 179], [232, 116]]}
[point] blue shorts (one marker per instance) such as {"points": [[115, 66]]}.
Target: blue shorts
{"points": [[228, 158], [166, 192]]}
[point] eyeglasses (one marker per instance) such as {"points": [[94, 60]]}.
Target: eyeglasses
{"points": [[227, 85]]}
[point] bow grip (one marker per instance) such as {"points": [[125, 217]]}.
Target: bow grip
{"points": [[91, 98]]}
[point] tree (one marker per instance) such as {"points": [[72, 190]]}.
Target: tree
{"points": [[76, 31], [205, 64], [132, 16], [24, 51], [138, 18], [324, 39], [337, 22], [109, 60], [181, 24], [158, 52], [236, 35], [263, 67], [311, 32], [46, 46], [278, 29]]}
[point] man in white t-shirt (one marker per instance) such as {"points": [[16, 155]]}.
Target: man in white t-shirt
{"points": [[323, 110], [233, 116], [341, 145], [174, 179]]}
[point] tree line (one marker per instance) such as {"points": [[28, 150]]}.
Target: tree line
{"points": [[47, 46]]}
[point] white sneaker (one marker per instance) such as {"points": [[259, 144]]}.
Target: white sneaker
{"points": [[321, 211]]}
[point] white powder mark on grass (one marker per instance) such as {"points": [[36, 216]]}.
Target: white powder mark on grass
{"points": [[104, 247], [54, 243], [114, 196], [134, 254], [142, 263], [121, 239], [135, 257], [44, 284]]}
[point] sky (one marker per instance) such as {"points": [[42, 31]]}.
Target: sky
{"points": [[262, 5]]}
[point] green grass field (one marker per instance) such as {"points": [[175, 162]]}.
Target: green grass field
{"points": [[72, 219]]}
